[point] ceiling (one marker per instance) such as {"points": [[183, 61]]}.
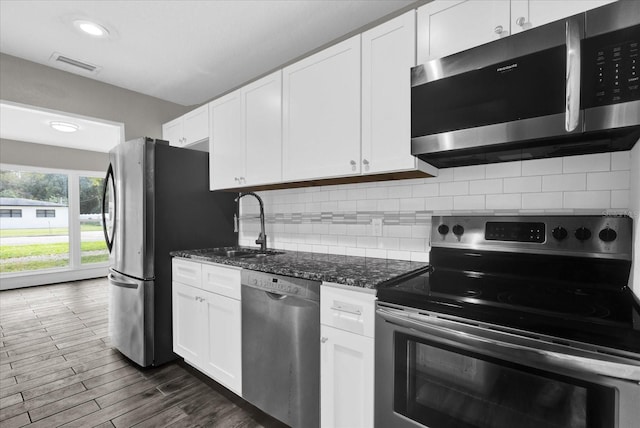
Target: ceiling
{"points": [[186, 52], [183, 51]]}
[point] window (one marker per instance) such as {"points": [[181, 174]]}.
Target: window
{"points": [[45, 213], [10, 213]]}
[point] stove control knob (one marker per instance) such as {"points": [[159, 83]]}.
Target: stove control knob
{"points": [[559, 233], [607, 234], [582, 233], [443, 229], [458, 230]]}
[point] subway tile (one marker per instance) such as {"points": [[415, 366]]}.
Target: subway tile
{"points": [[308, 248], [377, 192], [313, 207], [425, 189], [340, 251], [547, 200], [388, 243], [322, 249], [484, 187], [397, 231], [588, 199], [586, 163], [505, 169], [620, 199], [620, 161], [347, 206], [454, 188], [347, 241], [412, 204], [376, 253], [559, 182], [420, 256], [522, 184], [503, 202], [356, 194], [337, 229], [329, 240], [615, 180], [401, 192], [420, 231], [413, 244], [357, 252], [473, 202], [439, 203], [475, 172], [398, 255], [356, 229], [289, 246], [328, 207], [389, 205], [338, 195], [542, 166], [320, 196], [367, 205]]}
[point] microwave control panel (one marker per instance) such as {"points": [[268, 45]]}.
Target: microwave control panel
{"points": [[611, 68]]}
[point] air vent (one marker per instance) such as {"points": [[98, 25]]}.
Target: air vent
{"points": [[73, 65]]}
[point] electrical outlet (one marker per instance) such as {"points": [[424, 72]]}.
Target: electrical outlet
{"points": [[376, 225]]}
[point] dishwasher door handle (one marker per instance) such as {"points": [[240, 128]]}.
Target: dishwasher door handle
{"points": [[275, 296]]}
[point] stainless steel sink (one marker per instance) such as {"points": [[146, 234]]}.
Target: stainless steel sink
{"points": [[244, 252]]}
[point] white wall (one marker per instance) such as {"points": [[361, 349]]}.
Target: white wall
{"points": [[337, 219], [30, 220]]}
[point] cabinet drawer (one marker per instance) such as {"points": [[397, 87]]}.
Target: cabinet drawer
{"points": [[186, 272], [224, 280], [347, 310]]}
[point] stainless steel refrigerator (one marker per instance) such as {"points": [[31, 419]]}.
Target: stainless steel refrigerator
{"points": [[156, 199]]}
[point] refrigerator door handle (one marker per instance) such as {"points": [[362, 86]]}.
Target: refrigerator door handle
{"points": [[108, 179], [112, 280]]}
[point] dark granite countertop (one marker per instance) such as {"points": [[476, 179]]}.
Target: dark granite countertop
{"points": [[363, 272]]}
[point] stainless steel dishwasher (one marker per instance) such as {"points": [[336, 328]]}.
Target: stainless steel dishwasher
{"points": [[281, 346]]}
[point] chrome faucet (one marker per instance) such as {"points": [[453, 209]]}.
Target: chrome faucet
{"points": [[262, 238]]}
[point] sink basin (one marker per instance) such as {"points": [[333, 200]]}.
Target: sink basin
{"points": [[244, 252]]}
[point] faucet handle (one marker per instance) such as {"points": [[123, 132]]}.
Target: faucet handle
{"points": [[235, 223]]}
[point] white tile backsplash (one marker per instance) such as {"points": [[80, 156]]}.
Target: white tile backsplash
{"points": [[337, 219]]}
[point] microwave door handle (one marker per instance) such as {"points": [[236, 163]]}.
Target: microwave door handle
{"points": [[572, 112], [512, 351]]}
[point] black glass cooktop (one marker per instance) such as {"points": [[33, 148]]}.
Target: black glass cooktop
{"points": [[569, 299]]}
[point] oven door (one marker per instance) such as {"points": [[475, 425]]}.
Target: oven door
{"points": [[434, 372]]}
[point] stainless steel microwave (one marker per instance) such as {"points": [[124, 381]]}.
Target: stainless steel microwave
{"points": [[568, 87]]}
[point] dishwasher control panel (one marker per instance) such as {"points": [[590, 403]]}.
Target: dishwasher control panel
{"points": [[283, 285]]}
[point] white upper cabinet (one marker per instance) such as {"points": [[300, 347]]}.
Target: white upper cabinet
{"points": [[527, 14], [245, 147], [321, 114], [449, 26], [188, 129], [388, 53], [226, 148], [262, 130]]}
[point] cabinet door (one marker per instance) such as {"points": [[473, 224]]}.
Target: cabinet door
{"points": [[222, 359], [262, 129], [346, 379], [172, 132], [527, 14], [321, 114], [187, 314], [388, 53], [226, 149], [196, 125], [446, 27]]}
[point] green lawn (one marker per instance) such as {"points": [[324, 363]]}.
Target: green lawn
{"points": [[55, 231], [15, 251], [23, 253]]}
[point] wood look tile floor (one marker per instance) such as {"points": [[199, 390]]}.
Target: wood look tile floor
{"points": [[57, 368]]}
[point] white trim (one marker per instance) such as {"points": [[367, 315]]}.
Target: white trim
{"points": [[45, 277]]}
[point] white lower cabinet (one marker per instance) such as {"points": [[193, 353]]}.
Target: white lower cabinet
{"points": [[207, 325], [346, 358]]}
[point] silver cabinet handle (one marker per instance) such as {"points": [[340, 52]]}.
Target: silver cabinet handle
{"points": [[123, 284], [366, 164], [353, 165], [572, 112], [348, 311], [324, 339], [521, 21], [499, 29]]}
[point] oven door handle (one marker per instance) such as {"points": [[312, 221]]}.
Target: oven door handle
{"points": [[511, 351]]}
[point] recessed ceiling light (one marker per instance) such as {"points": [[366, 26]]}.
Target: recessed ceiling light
{"points": [[64, 126], [91, 28]]}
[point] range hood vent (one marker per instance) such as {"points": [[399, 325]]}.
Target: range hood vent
{"points": [[72, 65]]}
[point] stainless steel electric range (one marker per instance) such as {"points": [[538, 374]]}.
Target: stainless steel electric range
{"points": [[521, 321]]}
